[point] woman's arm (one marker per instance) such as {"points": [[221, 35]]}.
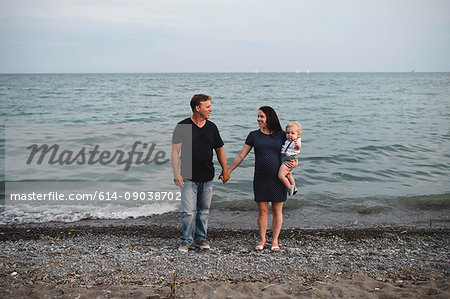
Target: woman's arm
{"points": [[240, 157]]}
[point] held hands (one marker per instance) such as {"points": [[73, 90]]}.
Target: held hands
{"points": [[224, 176]]}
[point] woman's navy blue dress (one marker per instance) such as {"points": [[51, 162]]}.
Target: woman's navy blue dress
{"points": [[267, 187]]}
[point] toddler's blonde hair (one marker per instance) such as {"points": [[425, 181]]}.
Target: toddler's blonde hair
{"points": [[296, 125]]}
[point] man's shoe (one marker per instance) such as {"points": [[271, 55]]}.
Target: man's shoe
{"points": [[202, 245], [184, 247]]}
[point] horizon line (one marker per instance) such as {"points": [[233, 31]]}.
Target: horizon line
{"points": [[219, 72]]}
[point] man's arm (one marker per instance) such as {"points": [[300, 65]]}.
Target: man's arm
{"points": [[175, 159], [225, 175]]}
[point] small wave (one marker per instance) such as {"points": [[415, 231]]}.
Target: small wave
{"points": [[425, 202], [150, 95], [327, 159], [362, 205], [354, 178], [386, 148], [363, 209], [27, 213], [234, 205], [150, 119]]}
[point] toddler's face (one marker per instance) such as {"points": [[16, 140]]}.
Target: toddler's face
{"points": [[291, 133]]}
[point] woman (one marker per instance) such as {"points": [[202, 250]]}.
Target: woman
{"points": [[267, 142]]}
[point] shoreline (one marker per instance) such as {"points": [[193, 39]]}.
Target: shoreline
{"points": [[126, 258], [292, 219], [59, 230]]}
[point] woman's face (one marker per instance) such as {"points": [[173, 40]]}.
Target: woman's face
{"points": [[262, 119]]}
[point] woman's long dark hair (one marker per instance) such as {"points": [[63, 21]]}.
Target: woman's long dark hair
{"points": [[272, 121]]}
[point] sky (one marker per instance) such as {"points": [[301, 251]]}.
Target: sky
{"points": [[59, 36]]}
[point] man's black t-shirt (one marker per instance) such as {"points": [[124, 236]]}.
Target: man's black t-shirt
{"points": [[197, 147]]}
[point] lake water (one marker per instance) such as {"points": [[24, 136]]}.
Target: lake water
{"points": [[373, 143]]}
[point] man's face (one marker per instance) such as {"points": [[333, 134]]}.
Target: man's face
{"points": [[204, 109]]}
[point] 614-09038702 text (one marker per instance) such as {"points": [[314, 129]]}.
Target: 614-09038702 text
{"points": [[98, 195]]}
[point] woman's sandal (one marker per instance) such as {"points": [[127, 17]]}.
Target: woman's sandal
{"points": [[275, 248], [259, 247]]}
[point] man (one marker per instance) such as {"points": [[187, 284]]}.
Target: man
{"points": [[196, 137]]}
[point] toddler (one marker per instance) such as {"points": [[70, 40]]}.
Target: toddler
{"points": [[289, 152]]}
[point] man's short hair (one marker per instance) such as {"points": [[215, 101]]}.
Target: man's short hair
{"points": [[197, 99]]}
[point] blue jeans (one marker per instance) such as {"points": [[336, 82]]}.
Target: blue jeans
{"points": [[195, 203]]}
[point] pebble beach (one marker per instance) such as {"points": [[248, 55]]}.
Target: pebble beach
{"points": [[138, 258], [371, 218]]}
